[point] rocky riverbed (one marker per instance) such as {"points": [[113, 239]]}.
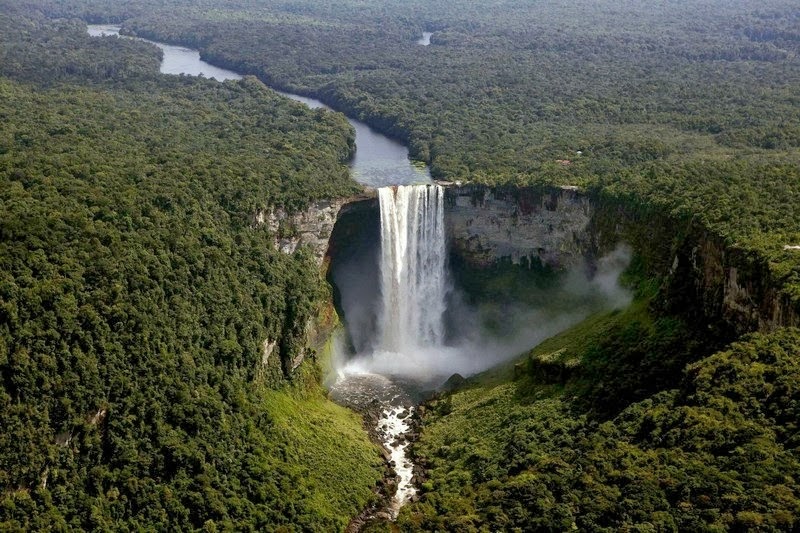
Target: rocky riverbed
{"points": [[391, 418]]}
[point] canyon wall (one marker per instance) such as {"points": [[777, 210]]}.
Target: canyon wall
{"points": [[729, 288], [732, 285], [519, 224], [702, 278], [312, 227]]}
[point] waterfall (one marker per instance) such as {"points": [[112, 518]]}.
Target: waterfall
{"points": [[413, 274], [410, 334]]}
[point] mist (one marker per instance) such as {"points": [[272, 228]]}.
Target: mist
{"points": [[480, 333]]}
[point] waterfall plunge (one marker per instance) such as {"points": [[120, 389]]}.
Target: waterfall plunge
{"points": [[414, 284], [413, 274]]}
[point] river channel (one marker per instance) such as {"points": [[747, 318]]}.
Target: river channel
{"points": [[378, 162]]}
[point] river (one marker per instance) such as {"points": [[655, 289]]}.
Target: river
{"points": [[379, 160]]}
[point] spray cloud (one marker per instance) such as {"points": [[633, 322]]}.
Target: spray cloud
{"points": [[416, 325]]}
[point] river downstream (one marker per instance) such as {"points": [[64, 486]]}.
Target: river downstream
{"points": [[378, 162]]}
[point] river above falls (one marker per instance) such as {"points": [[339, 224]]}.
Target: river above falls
{"points": [[379, 161]]}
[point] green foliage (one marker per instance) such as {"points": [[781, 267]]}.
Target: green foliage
{"points": [[136, 293], [750, 206], [50, 52], [719, 452], [690, 105]]}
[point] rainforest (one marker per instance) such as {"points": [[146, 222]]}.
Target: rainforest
{"points": [[458, 266]]}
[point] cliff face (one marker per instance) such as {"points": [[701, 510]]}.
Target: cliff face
{"points": [[731, 285], [718, 284], [312, 227], [703, 278], [524, 225]]}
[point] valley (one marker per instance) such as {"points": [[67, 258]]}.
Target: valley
{"points": [[551, 274]]}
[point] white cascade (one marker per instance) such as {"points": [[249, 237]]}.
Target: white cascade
{"points": [[413, 270]]}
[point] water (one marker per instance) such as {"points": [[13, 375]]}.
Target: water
{"points": [[413, 282], [413, 277], [368, 392], [379, 161], [177, 59], [413, 265], [425, 40], [102, 30]]}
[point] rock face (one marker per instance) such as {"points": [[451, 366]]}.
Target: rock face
{"points": [[559, 227], [731, 285], [703, 277], [312, 226], [524, 225]]}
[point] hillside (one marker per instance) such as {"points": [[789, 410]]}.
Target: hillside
{"points": [[559, 445], [136, 297]]}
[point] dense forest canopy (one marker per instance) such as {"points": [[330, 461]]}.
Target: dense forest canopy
{"points": [[716, 450], [693, 104], [136, 296]]}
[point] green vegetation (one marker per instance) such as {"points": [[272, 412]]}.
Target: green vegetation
{"points": [[136, 296], [689, 105], [711, 448]]}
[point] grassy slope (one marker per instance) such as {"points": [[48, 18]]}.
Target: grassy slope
{"points": [[325, 442], [328, 443], [475, 424], [714, 450], [135, 296]]}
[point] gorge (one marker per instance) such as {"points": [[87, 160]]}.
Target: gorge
{"points": [[413, 324], [378, 162], [556, 228], [224, 310]]}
